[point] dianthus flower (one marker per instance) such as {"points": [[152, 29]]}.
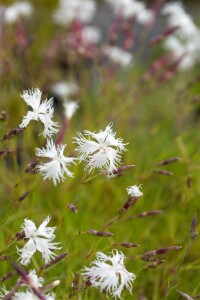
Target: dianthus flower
{"points": [[30, 296], [109, 274], [134, 191], [64, 89], [118, 56], [70, 108], [38, 240], [132, 8], [103, 153], [68, 11], [20, 9], [42, 111], [56, 167]]}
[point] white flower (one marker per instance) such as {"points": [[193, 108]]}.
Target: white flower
{"points": [[118, 55], [69, 10], [90, 35], [176, 16], [109, 274], [185, 42], [145, 16], [185, 52], [41, 111], [38, 240], [64, 89], [30, 296], [104, 152], [132, 8], [17, 10], [70, 108], [56, 167], [134, 191], [36, 281]]}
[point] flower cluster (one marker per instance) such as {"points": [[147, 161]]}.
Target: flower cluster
{"points": [[103, 152]]}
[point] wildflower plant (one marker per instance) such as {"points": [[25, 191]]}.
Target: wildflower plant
{"points": [[103, 58]]}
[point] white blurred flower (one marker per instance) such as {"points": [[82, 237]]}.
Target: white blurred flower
{"points": [[56, 167], [145, 16], [118, 56], [70, 108], [177, 16], [186, 52], [132, 8], [109, 274], [69, 10], [30, 296], [42, 111], [64, 89], [17, 10], [185, 42], [38, 240], [104, 152], [134, 191], [90, 35]]}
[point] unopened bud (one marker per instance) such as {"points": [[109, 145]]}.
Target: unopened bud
{"points": [[160, 251], [129, 204], [72, 207], [193, 228], [54, 261], [7, 276], [129, 245], [20, 235], [6, 257], [100, 233], [164, 172], [75, 282], [119, 170], [189, 182], [168, 161], [3, 116], [155, 263], [50, 286], [23, 196], [162, 36], [149, 213], [32, 165], [11, 133]]}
